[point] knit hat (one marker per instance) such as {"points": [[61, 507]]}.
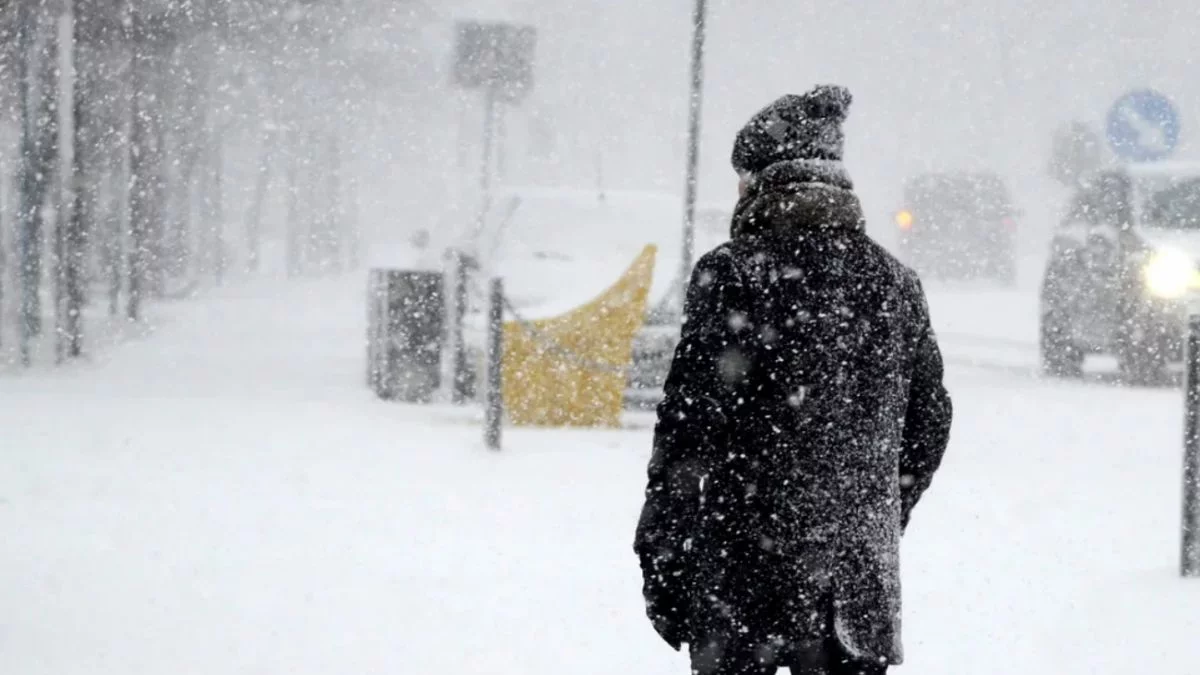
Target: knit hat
{"points": [[808, 126]]}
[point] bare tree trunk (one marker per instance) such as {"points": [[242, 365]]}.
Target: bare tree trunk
{"points": [[335, 237], [117, 195], [173, 245], [28, 246], [215, 201], [140, 178], [311, 212], [82, 192], [44, 171], [3, 245], [117, 225], [254, 221], [38, 152], [49, 123], [188, 129], [295, 250], [353, 228], [178, 244], [66, 212], [157, 256]]}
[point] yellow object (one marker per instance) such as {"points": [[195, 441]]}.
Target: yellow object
{"points": [[569, 370], [905, 220]]}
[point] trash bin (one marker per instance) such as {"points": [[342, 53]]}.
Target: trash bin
{"points": [[404, 334]]}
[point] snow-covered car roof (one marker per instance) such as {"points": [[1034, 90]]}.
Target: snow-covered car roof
{"points": [[1174, 168], [558, 248]]}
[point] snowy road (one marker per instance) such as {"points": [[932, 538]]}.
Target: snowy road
{"points": [[226, 497]]}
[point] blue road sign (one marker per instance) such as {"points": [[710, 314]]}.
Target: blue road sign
{"points": [[1143, 126]]}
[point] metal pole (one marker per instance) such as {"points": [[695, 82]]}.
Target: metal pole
{"points": [[693, 158], [460, 393], [450, 332], [494, 406], [1190, 548], [485, 177]]}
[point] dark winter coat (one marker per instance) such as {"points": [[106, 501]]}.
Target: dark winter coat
{"points": [[803, 417]]}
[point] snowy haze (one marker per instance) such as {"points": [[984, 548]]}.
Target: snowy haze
{"points": [[212, 487], [937, 84]]}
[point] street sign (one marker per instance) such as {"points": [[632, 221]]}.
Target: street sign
{"points": [[1143, 126], [495, 56]]}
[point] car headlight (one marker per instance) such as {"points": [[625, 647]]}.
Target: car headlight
{"points": [[1169, 274]]}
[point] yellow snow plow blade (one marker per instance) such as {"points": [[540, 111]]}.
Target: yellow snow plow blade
{"points": [[570, 370]]}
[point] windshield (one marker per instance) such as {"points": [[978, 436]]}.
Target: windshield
{"points": [[1172, 204]]}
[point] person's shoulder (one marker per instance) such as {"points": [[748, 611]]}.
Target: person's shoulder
{"points": [[905, 283], [727, 267], [737, 253], [725, 259], [901, 274], [723, 254]]}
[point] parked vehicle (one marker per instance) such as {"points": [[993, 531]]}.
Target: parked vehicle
{"points": [[958, 226], [558, 248], [1122, 262]]}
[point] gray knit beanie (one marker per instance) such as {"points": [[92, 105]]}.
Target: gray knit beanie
{"points": [[805, 126]]}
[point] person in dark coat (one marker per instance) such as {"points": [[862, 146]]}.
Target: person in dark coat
{"points": [[804, 415]]}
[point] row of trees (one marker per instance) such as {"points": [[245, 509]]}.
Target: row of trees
{"points": [[149, 148]]}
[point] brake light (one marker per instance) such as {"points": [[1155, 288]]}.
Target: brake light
{"points": [[904, 220], [1010, 223]]}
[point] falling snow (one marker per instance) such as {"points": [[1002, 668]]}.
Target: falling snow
{"points": [[246, 249]]}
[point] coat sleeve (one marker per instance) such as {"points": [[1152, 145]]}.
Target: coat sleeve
{"points": [[692, 416], [692, 421], [927, 422]]}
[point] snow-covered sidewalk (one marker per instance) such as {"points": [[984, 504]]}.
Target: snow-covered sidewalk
{"points": [[225, 496]]}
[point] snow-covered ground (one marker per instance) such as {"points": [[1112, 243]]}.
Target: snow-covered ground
{"points": [[225, 496]]}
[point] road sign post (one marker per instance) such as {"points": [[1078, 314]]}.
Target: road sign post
{"points": [[695, 105], [1143, 126], [498, 59], [1190, 527], [494, 399]]}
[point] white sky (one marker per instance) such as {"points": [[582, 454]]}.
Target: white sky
{"points": [[937, 83]]}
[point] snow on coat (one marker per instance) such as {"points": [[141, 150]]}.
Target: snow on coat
{"points": [[804, 415]]}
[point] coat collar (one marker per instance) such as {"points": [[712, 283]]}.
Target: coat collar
{"points": [[798, 195]]}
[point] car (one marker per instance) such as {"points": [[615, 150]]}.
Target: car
{"points": [[712, 227], [557, 248], [1122, 263], [654, 345], [958, 225]]}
